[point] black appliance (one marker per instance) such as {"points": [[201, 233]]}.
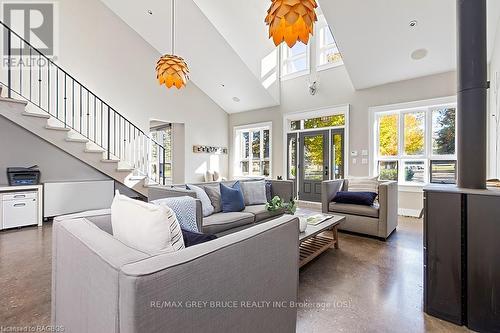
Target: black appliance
{"points": [[23, 176]]}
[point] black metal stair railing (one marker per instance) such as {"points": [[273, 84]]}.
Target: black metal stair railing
{"points": [[34, 77]]}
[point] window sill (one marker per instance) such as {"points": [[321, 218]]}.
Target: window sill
{"points": [[416, 188], [295, 75], [328, 66]]}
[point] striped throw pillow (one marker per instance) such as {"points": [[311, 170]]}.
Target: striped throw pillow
{"points": [[362, 185], [175, 230]]}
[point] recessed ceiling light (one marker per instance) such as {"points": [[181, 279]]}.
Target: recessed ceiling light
{"points": [[419, 54], [236, 99], [150, 12], [413, 23]]}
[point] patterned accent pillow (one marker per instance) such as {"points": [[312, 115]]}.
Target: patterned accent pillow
{"points": [[362, 185], [206, 204], [175, 230]]}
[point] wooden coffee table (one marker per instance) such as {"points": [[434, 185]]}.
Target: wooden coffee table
{"points": [[319, 238]]}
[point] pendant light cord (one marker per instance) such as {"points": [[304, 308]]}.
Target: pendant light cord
{"points": [[173, 27]]}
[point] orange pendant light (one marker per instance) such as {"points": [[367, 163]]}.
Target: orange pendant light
{"points": [[172, 70], [291, 21]]}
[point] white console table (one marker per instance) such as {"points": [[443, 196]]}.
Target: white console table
{"points": [[35, 191]]}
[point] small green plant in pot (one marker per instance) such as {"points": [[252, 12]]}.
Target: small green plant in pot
{"points": [[278, 203]]}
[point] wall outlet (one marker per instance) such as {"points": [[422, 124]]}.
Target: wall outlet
{"points": [[364, 152], [354, 153], [364, 161], [354, 161]]}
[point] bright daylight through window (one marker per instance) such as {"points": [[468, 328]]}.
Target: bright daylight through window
{"points": [[417, 146], [254, 151], [296, 61]]}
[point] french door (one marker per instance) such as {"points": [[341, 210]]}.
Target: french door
{"points": [[312, 157]]}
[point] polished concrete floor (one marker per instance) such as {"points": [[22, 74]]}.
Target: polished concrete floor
{"points": [[365, 286]]}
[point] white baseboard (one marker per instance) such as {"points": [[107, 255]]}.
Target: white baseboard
{"points": [[409, 212]]}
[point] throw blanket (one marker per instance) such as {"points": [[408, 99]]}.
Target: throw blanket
{"points": [[185, 210]]}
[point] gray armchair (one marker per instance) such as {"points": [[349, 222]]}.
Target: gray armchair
{"points": [[379, 220], [101, 285]]}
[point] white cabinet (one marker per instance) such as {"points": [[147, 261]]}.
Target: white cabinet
{"points": [[20, 206]]}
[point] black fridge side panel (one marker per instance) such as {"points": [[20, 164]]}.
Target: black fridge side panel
{"points": [[443, 256], [483, 263]]}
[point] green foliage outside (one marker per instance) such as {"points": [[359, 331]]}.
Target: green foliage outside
{"points": [[409, 174], [320, 122], [388, 174], [444, 137]]}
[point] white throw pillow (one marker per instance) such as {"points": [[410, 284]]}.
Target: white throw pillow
{"points": [[146, 227], [206, 204]]}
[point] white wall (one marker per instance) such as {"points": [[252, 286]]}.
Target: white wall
{"points": [[494, 112], [335, 88], [113, 61]]}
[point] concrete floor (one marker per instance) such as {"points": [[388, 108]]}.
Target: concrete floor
{"points": [[365, 286]]}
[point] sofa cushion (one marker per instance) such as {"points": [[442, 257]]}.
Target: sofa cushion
{"points": [[220, 222], [194, 238], [206, 204], [261, 213], [213, 193], [232, 198], [254, 192], [269, 191], [144, 226], [362, 185], [369, 211], [355, 198]]}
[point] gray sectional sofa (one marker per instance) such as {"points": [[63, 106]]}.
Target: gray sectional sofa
{"points": [[224, 223], [379, 220], [101, 285]]}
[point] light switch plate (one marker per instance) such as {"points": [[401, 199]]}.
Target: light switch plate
{"points": [[364, 161], [364, 152], [354, 161]]}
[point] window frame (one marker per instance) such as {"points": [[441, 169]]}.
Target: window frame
{"points": [[286, 59], [322, 24], [168, 161], [428, 156], [240, 151]]}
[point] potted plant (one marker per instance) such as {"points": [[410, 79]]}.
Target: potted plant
{"points": [[277, 203]]}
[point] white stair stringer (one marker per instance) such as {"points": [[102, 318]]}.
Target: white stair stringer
{"points": [[52, 131]]}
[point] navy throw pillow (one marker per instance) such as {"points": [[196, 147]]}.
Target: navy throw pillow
{"points": [[192, 238], [269, 191], [232, 198], [355, 198]]}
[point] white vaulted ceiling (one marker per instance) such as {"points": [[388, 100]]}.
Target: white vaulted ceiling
{"points": [[376, 40], [212, 60], [225, 42]]}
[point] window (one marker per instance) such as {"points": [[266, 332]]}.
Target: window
{"points": [[254, 153], [336, 120], [416, 146], [163, 136], [295, 60], [327, 50]]}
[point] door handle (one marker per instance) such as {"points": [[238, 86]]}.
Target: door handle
{"points": [[20, 205], [326, 170]]}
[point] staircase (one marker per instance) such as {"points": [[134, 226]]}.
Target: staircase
{"points": [[49, 102]]}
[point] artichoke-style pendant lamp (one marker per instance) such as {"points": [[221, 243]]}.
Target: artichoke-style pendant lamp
{"points": [[172, 70], [291, 21]]}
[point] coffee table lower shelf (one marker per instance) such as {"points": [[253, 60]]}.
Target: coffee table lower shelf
{"points": [[314, 246]]}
